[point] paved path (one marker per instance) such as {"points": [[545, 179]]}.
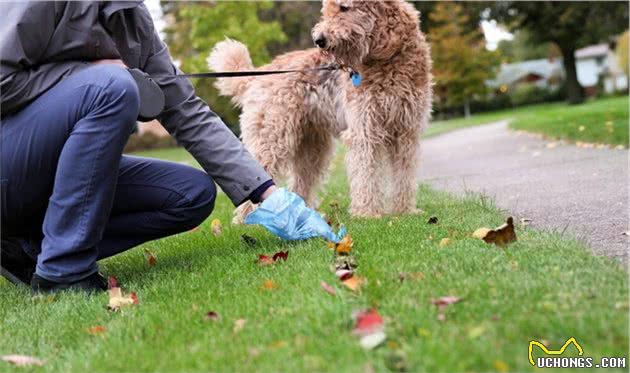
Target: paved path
{"points": [[563, 188]]}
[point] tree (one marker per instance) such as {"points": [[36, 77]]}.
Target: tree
{"points": [[193, 28], [461, 63], [522, 48], [570, 25], [622, 52]]}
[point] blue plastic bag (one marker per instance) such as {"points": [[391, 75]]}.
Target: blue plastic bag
{"points": [[285, 214]]}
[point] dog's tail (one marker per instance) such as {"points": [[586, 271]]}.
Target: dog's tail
{"points": [[231, 55]]}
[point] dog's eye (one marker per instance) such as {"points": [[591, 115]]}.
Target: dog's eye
{"points": [[344, 8]]}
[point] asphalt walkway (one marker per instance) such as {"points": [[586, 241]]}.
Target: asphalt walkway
{"points": [[581, 192]]}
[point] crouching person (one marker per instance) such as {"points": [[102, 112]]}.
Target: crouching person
{"points": [[69, 196]]}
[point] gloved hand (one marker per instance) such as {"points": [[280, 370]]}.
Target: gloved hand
{"points": [[285, 214]]}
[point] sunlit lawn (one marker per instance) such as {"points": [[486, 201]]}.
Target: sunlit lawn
{"points": [[542, 287], [602, 121]]}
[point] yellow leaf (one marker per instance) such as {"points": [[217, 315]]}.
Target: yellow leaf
{"points": [[215, 227], [117, 299], [444, 242], [238, 325], [501, 366], [481, 233]]}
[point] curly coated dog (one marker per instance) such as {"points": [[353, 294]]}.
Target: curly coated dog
{"points": [[289, 122]]}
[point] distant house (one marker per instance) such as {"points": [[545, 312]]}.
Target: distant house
{"points": [[593, 63]]}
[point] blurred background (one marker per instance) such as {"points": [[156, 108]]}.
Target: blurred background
{"points": [[487, 56]]}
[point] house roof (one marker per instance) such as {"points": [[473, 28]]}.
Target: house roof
{"points": [[513, 72], [596, 50]]}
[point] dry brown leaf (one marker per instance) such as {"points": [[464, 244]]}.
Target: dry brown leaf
{"points": [[117, 299], [22, 360], [327, 288], [501, 236], [269, 285], [212, 316], [215, 227], [445, 301], [444, 242], [151, 259], [98, 329], [354, 282], [238, 325], [344, 246]]}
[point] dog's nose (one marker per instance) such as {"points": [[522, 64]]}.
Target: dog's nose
{"points": [[320, 41]]}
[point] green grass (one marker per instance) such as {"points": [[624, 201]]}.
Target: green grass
{"points": [[603, 121], [542, 287]]}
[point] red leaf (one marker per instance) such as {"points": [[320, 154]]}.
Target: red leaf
{"points": [[212, 316], [327, 288], [96, 330], [281, 255], [112, 282], [134, 296], [264, 260], [367, 322]]}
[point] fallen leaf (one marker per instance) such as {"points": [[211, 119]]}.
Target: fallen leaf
{"points": [[212, 316], [369, 326], [441, 317], [112, 282], [344, 246], [94, 330], [280, 255], [476, 332], [269, 285], [277, 344], [445, 301], [151, 259], [238, 325], [501, 366], [481, 233], [22, 360], [117, 299], [327, 288], [415, 276], [250, 241], [432, 220], [344, 274], [444, 242], [264, 260], [215, 227], [353, 282], [500, 236]]}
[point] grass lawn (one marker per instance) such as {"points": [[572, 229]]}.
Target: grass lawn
{"points": [[542, 287], [602, 121]]}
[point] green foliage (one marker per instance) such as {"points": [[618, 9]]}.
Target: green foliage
{"points": [[195, 27], [461, 63], [522, 48]]}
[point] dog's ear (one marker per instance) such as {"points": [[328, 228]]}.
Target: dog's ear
{"points": [[397, 22]]}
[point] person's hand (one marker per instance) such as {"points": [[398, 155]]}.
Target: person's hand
{"points": [[285, 214], [268, 192], [110, 61]]}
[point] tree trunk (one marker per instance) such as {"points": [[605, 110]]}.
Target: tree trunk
{"points": [[575, 92]]}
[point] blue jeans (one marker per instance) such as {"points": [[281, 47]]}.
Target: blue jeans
{"points": [[68, 193]]}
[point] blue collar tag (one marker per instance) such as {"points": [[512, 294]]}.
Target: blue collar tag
{"points": [[356, 78]]}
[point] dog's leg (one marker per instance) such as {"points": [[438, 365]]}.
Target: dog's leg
{"points": [[363, 164], [404, 158], [311, 162]]}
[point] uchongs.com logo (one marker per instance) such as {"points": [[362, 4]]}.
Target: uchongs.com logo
{"points": [[553, 358]]}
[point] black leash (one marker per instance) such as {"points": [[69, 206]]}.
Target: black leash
{"points": [[237, 74]]}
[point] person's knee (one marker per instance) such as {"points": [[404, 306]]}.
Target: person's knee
{"points": [[202, 197], [121, 92]]}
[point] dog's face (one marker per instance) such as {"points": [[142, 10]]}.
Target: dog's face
{"points": [[355, 30]]}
